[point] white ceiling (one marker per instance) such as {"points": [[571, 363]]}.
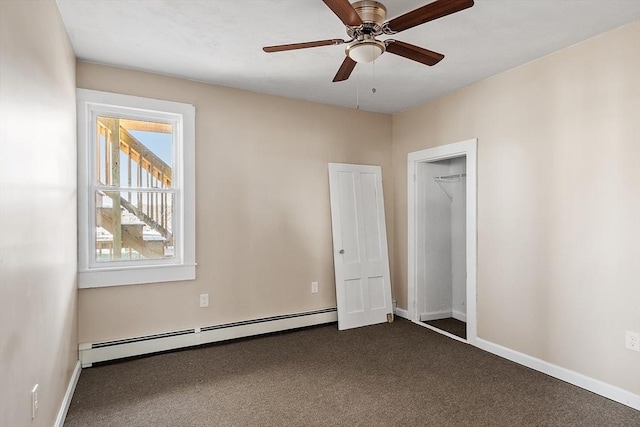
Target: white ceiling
{"points": [[220, 42]]}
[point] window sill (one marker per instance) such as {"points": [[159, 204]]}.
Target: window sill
{"points": [[100, 278]]}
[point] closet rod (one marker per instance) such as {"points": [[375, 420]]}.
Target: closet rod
{"points": [[450, 178]]}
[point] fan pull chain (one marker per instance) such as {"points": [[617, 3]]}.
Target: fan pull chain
{"points": [[357, 87], [373, 89]]}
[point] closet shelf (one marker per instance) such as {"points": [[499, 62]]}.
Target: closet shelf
{"points": [[450, 178]]}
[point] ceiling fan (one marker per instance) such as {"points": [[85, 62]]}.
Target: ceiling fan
{"points": [[364, 20]]}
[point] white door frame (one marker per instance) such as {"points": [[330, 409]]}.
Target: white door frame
{"points": [[467, 149]]}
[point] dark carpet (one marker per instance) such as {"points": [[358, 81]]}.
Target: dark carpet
{"points": [[397, 374], [451, 325]]}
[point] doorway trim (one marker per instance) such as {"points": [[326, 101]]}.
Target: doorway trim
{"points": [[466, 149]]}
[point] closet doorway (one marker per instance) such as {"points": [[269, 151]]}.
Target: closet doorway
{"points": [[442, 239]]}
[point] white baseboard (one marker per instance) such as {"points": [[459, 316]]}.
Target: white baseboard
{"points": [[401, 312], [596, 386], [110, 350], [459, 315], [66, 402], [435, 315]]}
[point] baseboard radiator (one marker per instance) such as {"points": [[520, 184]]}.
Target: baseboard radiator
{"points": [[91, 353]]}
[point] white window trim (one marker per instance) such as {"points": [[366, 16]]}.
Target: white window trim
{"points": [[182, 266]]}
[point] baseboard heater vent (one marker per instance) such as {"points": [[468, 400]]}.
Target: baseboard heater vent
{"points": [[144, 338], [91, 353]]}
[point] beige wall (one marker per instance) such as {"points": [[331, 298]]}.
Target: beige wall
{"points": [[263, 222], [558, 202], [38, 328]]}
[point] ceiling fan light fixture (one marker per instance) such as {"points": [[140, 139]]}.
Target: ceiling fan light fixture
{"points": [[365, 51], [364, 20]]}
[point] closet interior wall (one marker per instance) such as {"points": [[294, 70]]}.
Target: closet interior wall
{"points": [[442, 271]]}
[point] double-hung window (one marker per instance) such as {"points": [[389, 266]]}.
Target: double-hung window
{"points": [[136, 190]]}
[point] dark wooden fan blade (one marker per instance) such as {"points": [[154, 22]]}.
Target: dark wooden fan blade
{"points": [[414, 53], [283, 47], [435, 10], [344, 11], [345, 69]]}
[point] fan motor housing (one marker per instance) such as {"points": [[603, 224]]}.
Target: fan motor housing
{"points": [[372, 14]]}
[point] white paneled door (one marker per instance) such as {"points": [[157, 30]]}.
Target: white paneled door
{"points": [[361, 258]]}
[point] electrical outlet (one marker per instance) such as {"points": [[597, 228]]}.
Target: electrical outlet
{"points": [[34, 401], [204, 300], [632, 340], [314, 287]]}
